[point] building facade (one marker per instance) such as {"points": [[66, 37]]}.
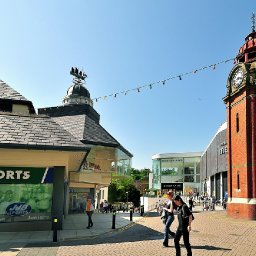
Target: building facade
{"points": [[213, 166], [176, 171]]}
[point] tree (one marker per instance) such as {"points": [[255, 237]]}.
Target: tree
{"points": [[139, 174], [118, 188]]}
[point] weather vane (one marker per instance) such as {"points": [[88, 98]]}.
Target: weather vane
{"points": [[80, 75], [253, 22]]}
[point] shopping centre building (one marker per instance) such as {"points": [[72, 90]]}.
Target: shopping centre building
{"points": [[213, 166], [194, 172], [179, 172]]}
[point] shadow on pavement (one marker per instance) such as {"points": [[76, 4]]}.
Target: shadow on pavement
{"points": [[9, 249], [210, 248], [131, 233]]}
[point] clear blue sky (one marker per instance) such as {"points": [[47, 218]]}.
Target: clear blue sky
{"points": [[123, 45]]}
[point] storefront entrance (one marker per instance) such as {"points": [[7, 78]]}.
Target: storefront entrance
{"points": [[77, 199]]}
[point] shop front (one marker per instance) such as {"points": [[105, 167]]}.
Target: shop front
{"points": [[25, 194], [33, 187]]}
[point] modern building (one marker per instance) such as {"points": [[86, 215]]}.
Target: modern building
{"points": [[176, 171], [213, 166], [106, 154], [240, 103]]}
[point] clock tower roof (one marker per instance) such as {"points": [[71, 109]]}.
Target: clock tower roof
{"points": [[247, 52]]}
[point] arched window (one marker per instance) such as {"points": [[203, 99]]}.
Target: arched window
{"points": [[237, 122], [238, 181]]}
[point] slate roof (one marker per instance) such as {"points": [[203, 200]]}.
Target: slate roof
{"points": [[6, 92], [86, 130], [35, 132]]}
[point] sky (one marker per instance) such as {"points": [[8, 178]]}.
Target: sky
{"points": [[123, 45]]}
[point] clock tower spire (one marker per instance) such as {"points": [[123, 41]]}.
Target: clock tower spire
{"points": [[240, 103]]}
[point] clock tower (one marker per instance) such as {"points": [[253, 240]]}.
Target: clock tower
{"points": [[240, 103]]}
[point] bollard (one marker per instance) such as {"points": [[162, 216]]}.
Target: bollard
{"points": [[114, 219], [130, 214], [142, 210], [54, 228]]}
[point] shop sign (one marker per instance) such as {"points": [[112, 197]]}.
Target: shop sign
{"points": [[223, 149], [18, 209], [28, 175], [90, 166], [174, 185]]}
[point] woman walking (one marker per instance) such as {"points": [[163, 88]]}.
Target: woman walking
{"points": [[169, 218], [184, 226]]}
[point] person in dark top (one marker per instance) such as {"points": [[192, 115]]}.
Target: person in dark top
{"points": [[169, 218], [190, 202], [184, 226]]}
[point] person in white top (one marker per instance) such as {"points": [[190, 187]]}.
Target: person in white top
{"points": [[169, 218]]}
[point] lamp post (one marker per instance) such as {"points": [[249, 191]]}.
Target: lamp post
{"points": [[127, 199], [144, 196]]}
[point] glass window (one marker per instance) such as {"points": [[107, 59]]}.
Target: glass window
{"points": [[189, 170], [156, 174], [189, 178], [172, 166]]}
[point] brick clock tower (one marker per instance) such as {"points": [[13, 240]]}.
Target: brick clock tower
{"points": [[240, 103]]}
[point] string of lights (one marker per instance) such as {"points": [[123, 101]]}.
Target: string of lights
{"points": [[163, 81]]}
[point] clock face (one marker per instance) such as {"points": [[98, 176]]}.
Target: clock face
{"points": [[238, 77]]}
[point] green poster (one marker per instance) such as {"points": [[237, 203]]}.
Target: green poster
{"points": [[25, 202]]}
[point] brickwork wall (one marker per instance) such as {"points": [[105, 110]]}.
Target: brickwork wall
{"points": [[243, 211], [242, 149], [238, 146]]}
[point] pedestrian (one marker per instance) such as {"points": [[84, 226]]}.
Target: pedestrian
{"points": [[169, 218], [184, 225], [89, 211], [190, 202], [101, 207], [105, 206]]}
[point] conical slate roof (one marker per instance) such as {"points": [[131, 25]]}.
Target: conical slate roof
{"points": [[7, 92], [86, 130]]}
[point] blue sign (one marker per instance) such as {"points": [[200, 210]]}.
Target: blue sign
{"points": [[18, 209]]}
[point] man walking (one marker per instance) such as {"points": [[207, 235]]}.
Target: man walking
{"points": [[89, 211]]}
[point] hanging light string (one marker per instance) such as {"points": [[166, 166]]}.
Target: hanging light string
{"points": [[163, 81]]}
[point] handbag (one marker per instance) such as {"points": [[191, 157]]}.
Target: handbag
{"points": [[164, 216]]}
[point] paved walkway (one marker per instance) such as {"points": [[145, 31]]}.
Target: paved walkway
{"points": [[74, 227], [213, 233]]}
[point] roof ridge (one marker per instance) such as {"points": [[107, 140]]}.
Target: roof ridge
{"points": [[23, 115]]}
